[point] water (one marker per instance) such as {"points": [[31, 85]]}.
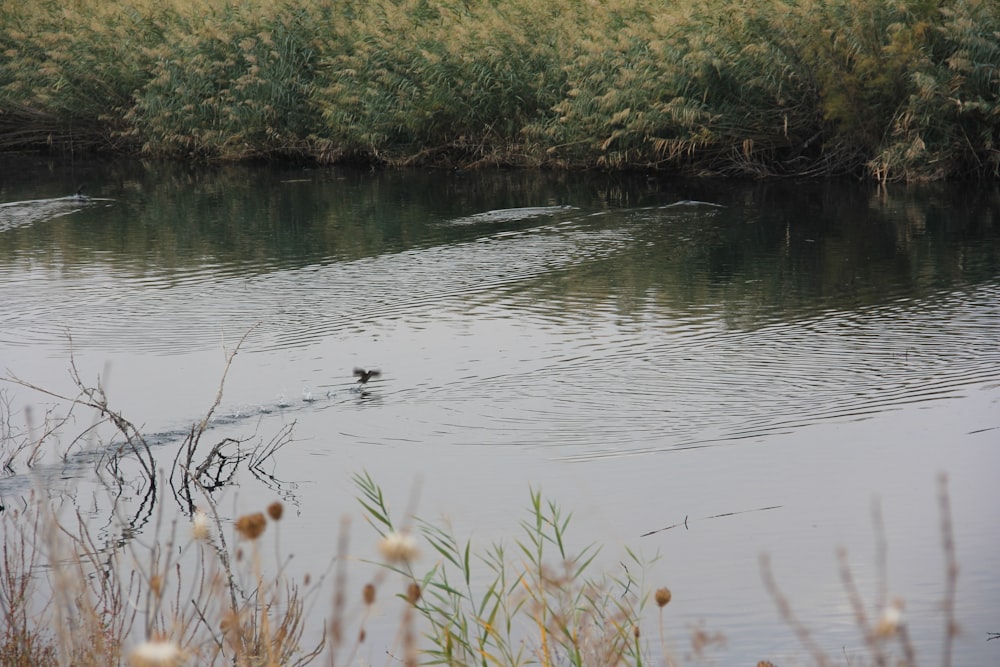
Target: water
{"points": [[760, 362]]}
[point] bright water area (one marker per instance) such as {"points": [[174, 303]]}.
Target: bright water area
{"points": [[749, 366]]}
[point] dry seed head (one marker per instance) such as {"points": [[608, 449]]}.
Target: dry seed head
{"points": [[200, 526], [275, 510], [765, 663], [663, 597], [368, 594], [890, 620], [230, 622], [156, 653], [413, 592], [398, 547], [156, 585], [250, 526]]}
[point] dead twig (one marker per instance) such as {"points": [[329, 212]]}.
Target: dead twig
{"points": [[184, 459], [951, 629], [785, 609], [96, 399]]}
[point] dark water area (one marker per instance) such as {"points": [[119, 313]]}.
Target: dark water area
{"points": [[648, 351]]}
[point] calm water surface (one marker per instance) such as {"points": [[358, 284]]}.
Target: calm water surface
{"points": [[645, 351]]}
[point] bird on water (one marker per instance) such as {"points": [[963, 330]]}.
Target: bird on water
{"points": [[364, 376]]}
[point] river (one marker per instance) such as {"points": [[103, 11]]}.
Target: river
{"points": [[704, 370]]}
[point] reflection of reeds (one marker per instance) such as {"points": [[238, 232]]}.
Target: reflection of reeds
{"points": [[899, 90]]}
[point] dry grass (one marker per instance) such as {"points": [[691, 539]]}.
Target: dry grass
{"points": [[174, 599], [183, 593], [880, 622]]}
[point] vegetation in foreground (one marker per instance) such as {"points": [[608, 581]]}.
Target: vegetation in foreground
{"points": [[890, 89], [197, 599], [152, 593]]}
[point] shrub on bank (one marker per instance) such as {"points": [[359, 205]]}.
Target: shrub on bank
{"points": [[895, 89]]}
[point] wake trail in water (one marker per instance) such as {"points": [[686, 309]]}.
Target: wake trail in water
{"points": [[665, 392], [297, 307], [33, 211]]}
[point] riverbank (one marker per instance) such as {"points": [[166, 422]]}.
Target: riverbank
{"points": [[905, 90]]}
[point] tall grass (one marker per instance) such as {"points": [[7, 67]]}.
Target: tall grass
{"points": [[417, 80], [775, 87], [68, 71], [891, 89], [233, 81], [540, 602], [177, 596]]}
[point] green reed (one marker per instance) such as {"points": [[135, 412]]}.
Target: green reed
{"points": [[535, 602], [893, 89]]}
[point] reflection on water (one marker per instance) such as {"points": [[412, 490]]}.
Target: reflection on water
{"points": [[565, 329]]}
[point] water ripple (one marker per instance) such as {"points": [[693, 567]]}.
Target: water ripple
{"points": [[168, 311], [528, 337], [670, 388]]}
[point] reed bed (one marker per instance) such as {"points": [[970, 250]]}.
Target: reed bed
{"points": [[891, 89]]}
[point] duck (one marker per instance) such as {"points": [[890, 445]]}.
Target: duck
{"points": [[364, 376]]}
